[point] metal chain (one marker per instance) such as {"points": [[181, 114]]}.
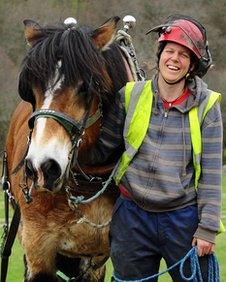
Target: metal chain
{"points": [[84, 219]]}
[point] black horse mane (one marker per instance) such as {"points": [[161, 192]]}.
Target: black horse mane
{"points": [[80, 60]]}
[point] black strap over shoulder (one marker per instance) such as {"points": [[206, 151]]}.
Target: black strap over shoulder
{"points": [[9, 233], [8, 243]]}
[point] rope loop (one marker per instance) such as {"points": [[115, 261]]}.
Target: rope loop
{"points": [[196, 275], [194, 263]]}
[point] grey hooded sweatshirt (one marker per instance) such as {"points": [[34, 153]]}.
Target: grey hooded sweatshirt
{"points": [[161, 175]]}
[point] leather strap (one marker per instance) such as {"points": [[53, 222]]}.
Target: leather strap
{"points": [[7, 245]]}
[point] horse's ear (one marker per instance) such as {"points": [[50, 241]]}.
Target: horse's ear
{"points": [[104, 35], [32, 31]]}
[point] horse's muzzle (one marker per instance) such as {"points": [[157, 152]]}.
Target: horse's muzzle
{"points": [[46, 176]]}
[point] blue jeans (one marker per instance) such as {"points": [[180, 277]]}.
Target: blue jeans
{"points": [[140, 239]]}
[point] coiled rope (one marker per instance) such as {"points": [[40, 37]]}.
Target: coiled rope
{"points": [[196, 275]]}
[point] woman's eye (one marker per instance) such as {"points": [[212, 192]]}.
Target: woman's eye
{"points": [[185, 55], [169, 51]]}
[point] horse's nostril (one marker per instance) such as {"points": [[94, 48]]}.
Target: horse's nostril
{"points": [[51, 171], [50, 167], [30, 170]]}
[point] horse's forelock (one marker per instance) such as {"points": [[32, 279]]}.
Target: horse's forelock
{"points": [[81, 58], [80, 61]]}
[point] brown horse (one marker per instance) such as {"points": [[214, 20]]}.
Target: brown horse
{"points": [[68, 79]]}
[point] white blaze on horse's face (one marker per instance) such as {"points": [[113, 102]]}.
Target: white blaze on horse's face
{"points": [[49, 94], [50, 145]]}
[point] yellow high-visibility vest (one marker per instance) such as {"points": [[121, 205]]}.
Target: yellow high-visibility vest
{"points": [[138, 105]]}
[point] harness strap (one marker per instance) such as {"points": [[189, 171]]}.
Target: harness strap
{"points": [[93, 118], [6, 249]]}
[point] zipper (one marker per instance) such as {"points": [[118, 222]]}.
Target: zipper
{"points": [[159, 141], [166, 113]]}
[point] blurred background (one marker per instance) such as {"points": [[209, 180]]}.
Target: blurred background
{"points": [[148, 13]]}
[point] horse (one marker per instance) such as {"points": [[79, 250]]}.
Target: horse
{"points": [[67, 82]]}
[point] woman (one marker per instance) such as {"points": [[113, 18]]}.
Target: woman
{"points": [[167, 205]]}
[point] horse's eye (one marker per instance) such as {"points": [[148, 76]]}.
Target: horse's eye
{"points": [[82, 88]]}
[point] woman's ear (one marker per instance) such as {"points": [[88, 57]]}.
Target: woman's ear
{"points": [[192, 66]]}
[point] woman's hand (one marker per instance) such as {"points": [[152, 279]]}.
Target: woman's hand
{"points": [[204, 247]]}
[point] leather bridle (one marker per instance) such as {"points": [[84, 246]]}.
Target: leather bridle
{"points": [[73, 128]]}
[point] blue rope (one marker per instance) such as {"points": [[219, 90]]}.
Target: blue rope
{"points": [[196, 275], [213, 269], [77, 200]]}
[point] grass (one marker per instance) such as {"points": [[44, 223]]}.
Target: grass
{"points": [[224, 157], [15, 271]]}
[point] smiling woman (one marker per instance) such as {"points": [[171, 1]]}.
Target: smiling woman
{"points": [[172, 160]]}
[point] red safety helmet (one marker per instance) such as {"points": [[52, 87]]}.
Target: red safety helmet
{"points": [[187, 32]]}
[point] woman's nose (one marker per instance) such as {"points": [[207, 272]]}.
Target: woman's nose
{"points": [[175, 56]]}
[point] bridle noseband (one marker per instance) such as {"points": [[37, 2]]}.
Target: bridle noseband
{"points": [[72, 127]]}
